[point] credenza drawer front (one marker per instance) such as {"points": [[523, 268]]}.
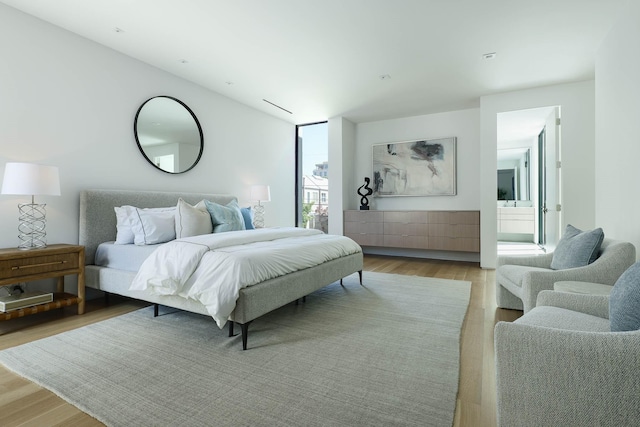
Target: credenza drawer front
{"points": [[454, 217], [367, 239], [411, 242], [405, 217], [464, 230], [363, 227], [439, 230], [363, 216], [402, 229], [452, 244], [35, 265], [465, 217], [439, 217]]}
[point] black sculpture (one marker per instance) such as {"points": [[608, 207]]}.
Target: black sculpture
{"points": [[365, 191]]}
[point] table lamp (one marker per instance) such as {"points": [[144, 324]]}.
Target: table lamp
{"points": [[259, 193], [31, 179]]}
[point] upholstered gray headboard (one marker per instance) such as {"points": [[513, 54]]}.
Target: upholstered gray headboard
{"points": [[98, 219]]}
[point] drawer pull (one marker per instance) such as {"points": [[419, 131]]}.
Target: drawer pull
{"points": [[20, 267]]}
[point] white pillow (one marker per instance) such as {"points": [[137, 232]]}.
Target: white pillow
{"points": [[152, 226], [124, 234], [192, 220]]}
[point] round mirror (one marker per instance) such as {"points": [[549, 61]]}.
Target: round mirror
{"points": [[168, 134]]}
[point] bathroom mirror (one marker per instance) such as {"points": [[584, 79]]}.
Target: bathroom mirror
{"points": [[168, 134], [514, 174]]}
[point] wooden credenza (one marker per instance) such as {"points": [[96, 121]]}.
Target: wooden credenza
{"points": [[433, 230]]}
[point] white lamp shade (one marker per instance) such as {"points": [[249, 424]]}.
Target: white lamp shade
{"points": [[31, 179], [261, 193]]}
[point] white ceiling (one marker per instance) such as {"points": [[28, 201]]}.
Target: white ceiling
{"points": [[324, 58]]}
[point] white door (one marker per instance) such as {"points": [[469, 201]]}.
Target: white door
{"points": [[552, 201]]}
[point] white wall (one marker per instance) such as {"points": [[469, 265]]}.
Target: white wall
{"points": [[70, 102], [618, 129], [464, 125], [341, 134], [577, 154]]}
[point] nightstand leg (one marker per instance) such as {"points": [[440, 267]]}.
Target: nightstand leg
{"points": [[60, 284], [81, 292]]}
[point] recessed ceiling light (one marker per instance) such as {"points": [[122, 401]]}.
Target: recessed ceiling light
{"points": [[490, 55], [385, 77]]}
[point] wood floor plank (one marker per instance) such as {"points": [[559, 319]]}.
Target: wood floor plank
{"points": [[23, 403]]}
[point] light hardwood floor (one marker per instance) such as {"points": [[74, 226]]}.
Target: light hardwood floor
{"points": [[23, 403]]}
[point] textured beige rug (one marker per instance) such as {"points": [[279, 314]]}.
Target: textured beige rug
{"points": [[384, 354]]}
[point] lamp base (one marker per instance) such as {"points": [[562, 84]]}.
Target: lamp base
{"points": [[31, 227], [258, 216]]}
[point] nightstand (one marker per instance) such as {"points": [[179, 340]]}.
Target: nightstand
{"points": [[53, 261]]}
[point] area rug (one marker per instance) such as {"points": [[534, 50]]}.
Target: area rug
{"points": [[382, 354]]}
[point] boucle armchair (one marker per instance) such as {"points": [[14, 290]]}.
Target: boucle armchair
{"points": [[519, 279], [559, 365]]}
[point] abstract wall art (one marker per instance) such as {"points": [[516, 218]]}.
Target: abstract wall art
{"points": [[415, 168]]}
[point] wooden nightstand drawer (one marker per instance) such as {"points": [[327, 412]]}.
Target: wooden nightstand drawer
{"points": [[18, 267]]}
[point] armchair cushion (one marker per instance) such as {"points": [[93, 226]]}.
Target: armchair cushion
{"points": [[577, 248], [624, 302]]}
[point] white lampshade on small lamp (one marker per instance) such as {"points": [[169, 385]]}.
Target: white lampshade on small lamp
{"points": [[259, 193], [28, 179]]}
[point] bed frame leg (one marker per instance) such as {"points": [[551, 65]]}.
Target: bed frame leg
{"points": [[155, 310], [230, 328], [245, 334], [359, 274]]}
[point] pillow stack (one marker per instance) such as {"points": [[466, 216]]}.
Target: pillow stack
{"points": [[147, 226], [150, 226]]}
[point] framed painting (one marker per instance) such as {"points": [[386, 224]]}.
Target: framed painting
{"points": [[415, 168]]}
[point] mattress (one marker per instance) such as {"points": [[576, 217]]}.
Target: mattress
{"points": [[123, 257]]}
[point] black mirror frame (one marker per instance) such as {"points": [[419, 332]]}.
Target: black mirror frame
{"points": [[195, 119]]}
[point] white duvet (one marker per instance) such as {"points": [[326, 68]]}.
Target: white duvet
{"points": [[212, 268]]}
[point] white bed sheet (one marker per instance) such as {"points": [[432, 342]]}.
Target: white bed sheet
{"points": [[123, 257]]}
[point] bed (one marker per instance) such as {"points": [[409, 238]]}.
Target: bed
{"points": [[98, 227]]}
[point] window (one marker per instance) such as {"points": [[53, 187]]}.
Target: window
{"points": [[312, 171]]}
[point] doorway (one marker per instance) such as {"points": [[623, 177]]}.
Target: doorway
{"points": [[528, 179]]}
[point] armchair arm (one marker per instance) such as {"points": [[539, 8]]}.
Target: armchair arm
{"points": [[542, 261], [536, 281], [595, 305], [553, 377]]}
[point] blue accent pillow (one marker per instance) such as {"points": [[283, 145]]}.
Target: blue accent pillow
{"points": [[577, 248], [624, 301], [247, 215], [225, 218]]}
